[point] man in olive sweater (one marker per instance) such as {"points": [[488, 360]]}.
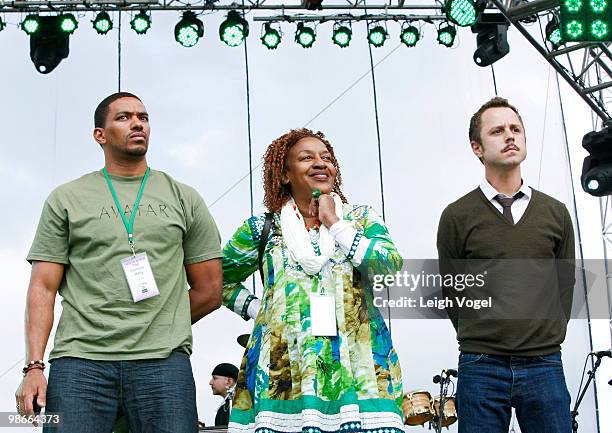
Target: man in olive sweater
{"points": [[510, 358]]}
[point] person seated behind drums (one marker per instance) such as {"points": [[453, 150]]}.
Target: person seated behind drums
{"points": [[222, 383]]}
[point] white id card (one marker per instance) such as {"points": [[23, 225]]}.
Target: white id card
{"points": [[139, 277], [323, 316]]}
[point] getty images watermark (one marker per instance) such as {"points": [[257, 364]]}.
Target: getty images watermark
{"points": [[508, 289], [423, 280]]}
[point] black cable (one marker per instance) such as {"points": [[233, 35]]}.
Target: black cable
{"points": [[380, 169], [119, 55], [494, 80], [579, 235], [248, 107], [586, 359]]}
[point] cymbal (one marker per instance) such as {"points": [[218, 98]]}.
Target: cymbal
{"points": [[243, 340]]}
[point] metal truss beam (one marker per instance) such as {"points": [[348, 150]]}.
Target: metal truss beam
{"points": [[54, 6], [585, 66]]}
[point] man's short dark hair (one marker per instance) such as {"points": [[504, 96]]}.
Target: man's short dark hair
{"points": [[476, 120], [102, 109]]}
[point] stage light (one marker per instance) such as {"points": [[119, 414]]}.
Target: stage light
{"points": [[585, 20], [491, 39], [188, 30], [446, 35], [68, 23], [141, 22], [464, 13], [410, 35], [312, 5], [553, 33], [48, 44], [305, 36], [377, 36], [234, 29], [102, 23], [596, 178], [271, 37], [342, 34], [599, 30], [31, 24]]}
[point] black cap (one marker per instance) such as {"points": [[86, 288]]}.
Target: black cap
{"points": [[226, 370]]}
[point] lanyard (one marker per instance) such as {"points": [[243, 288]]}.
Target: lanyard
{"points": [[128, 225]]}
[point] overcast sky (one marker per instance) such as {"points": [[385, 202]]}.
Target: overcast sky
{"points": [[198, 106]]}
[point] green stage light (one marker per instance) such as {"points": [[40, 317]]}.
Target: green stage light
{"points": [[68, 23], [271, 37], [342, 35], [305, 36], [446, 36], [410, 36], [585, 20], [464, 13], [574, 29], [141, 22], [598, 6], [102, 23], [188, 30], [377, 36], [234, 29], [573, 5], [31, 24], [553, 33], [599, 29]]}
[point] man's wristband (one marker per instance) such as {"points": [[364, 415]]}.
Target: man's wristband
{"points": [[37, 364]]}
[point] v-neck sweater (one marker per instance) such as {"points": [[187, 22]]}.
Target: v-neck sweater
{"points": [[530, 311]]}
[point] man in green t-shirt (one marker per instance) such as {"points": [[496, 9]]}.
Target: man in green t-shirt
{"points": [[135, 256]]}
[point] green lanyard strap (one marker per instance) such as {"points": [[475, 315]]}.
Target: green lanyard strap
{"points": [[128, 225]]}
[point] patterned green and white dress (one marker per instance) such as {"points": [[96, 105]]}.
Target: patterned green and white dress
{"points": [[291, 381]]}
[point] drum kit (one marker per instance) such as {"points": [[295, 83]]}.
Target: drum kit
{"points": [[420, 407]]}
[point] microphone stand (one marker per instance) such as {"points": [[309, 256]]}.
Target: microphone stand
{"points": [[591, 374], [444, 380]]}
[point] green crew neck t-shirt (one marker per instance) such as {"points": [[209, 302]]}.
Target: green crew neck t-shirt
{"points": [[81, 227]]}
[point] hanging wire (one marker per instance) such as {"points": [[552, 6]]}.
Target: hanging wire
{"points": [[544, 128], [579, 236], [380, 168], [248, 107], [494, 80], [119, 54]]}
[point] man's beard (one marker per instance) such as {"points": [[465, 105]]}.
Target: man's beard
{"points": [[136, 152]]}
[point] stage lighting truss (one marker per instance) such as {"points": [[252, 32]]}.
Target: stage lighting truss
{"points": [[377, 35], [234, 29], [31, 24], [188, 30], [271, 37], [141, 22], [446, 35], [553, 33], [410, 35], [305, 35], [464, 13], [102, 23], [342, 34]]}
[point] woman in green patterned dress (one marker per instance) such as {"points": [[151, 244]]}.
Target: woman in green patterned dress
{"points": [[296, 376]]}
